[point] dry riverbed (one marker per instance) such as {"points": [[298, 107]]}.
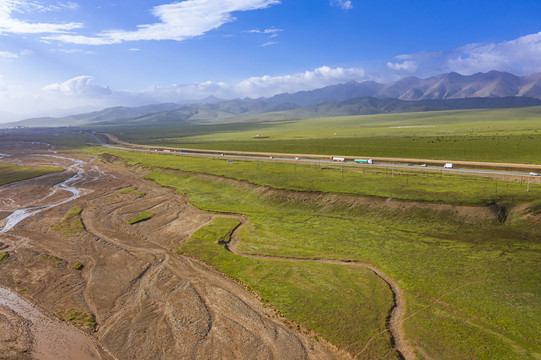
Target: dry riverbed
{"points": [[132, 298]]}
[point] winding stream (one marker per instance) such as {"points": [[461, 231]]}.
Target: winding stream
{"points": [[19, 215], [52, 339]]}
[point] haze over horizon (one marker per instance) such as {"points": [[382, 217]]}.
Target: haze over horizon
{"points": [[68, 54]]}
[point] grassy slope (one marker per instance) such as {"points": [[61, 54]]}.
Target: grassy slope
{"points": [[490, 135], [432, 187], [470, 286], [475, 285], [10, 173], [346, 305]]}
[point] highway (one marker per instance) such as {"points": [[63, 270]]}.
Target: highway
{"points": [[321, 160]]}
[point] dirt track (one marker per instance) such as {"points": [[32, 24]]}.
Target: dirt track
{"points": [[148, 302]]}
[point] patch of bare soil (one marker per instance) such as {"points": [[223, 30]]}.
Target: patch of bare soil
{"points": [[15, 336], [28, 331], [147, 302]]}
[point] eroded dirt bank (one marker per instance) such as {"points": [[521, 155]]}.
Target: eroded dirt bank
{"points": [[27, 332], [147, 302]]}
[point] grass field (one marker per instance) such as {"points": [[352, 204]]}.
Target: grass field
{"points": [[507, 135], [475, 285], [10, 172], [403, 184], [346, 305], [42, 137], [471, 285]]}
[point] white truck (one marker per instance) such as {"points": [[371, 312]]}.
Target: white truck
{"points": [[448, 166]]}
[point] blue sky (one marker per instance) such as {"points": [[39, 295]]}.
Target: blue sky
{"points": [[64, 54]]}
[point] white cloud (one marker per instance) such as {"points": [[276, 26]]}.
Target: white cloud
{"points": [[520, 56], [178, 21], [80, 91], [269, 43], [56, 99], [344, 4], [308, 80], [12, 55], [270, 31], [408, 65], [13, 25], [75, 51], [8, 54], [254, 86], [78, 86]]}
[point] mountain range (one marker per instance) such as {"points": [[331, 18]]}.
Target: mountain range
{"points": [[449, 91], [441, 87]]}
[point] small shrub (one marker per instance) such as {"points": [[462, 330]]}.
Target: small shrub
{"points": [[78, 318], [78, 266], [4, 256], [57, 262], [131, 190], [143, 216], [71, 223]]}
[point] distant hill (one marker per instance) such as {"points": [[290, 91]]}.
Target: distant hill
{"points": [[369, 105], [113, 114], [160, 114], [449, 91], [445, 86]]}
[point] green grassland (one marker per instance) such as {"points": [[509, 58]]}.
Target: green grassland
{"points": [[471, 285], [507, 135], [472, 288], [10, 172], [347, 305], [399, 184], [58, 137]]}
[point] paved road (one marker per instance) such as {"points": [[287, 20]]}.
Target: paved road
{"points": [[326, 160]]}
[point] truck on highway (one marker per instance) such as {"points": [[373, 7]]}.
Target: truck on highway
{"points": [[340, 159], [364, 161], [448, 166]]}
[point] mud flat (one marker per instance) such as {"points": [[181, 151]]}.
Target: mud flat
{"points": [[27, 330]]}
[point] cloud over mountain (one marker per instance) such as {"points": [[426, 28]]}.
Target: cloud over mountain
{"points": [[78, 86], [518, 56]]}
